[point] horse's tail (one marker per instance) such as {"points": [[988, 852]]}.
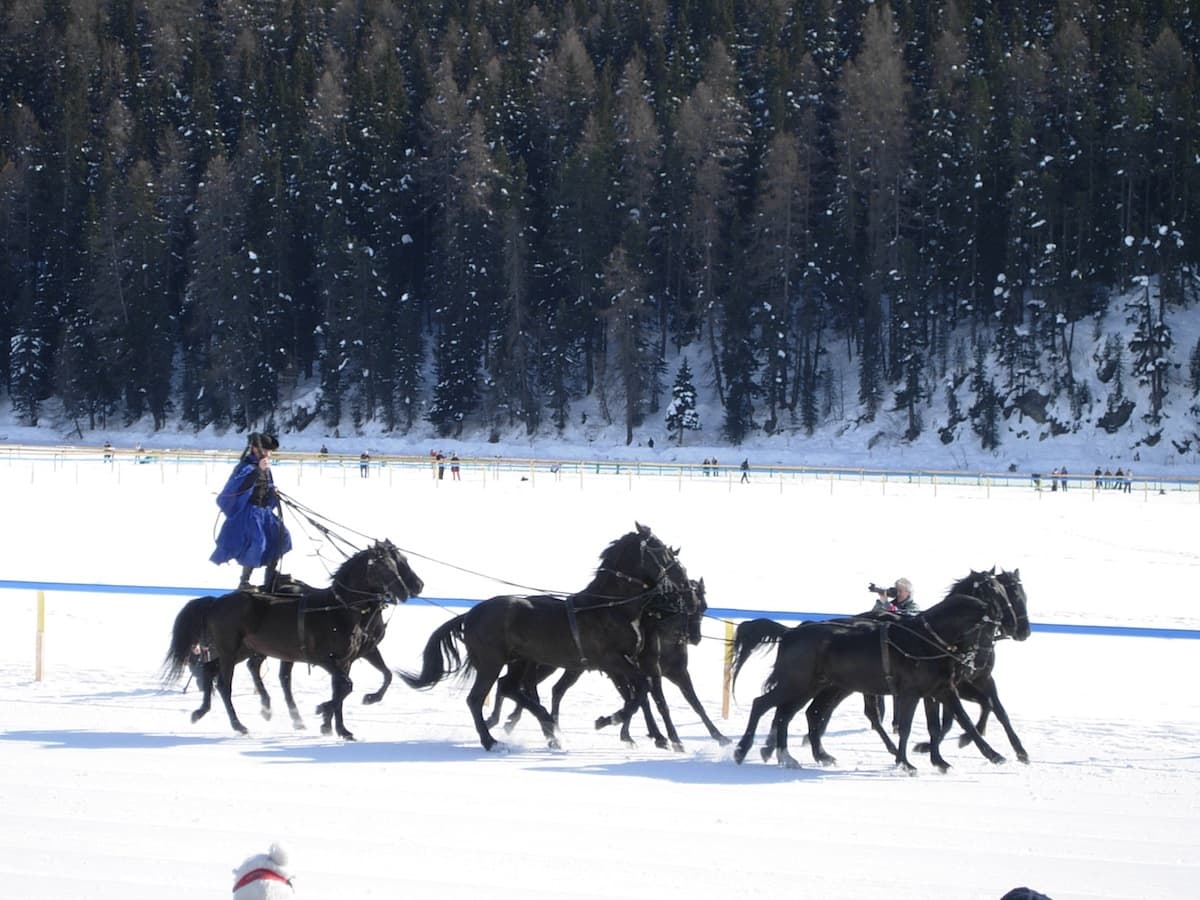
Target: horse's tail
{"points": [[441, 658], [190, 629], [749, 636]]}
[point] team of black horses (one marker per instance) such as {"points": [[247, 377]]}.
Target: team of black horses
{"points": [[633, 621]]}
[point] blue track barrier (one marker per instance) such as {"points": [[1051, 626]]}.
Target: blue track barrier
{"points": [[713, 612]]}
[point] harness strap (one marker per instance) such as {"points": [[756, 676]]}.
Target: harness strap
{"points": [[886, 657], [573, 624], [300, 602]]}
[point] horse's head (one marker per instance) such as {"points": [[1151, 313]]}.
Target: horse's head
{"points": [[694, 608], [398, 578], [1016, 616], [981, 598], [380, 571], [659, 565]]}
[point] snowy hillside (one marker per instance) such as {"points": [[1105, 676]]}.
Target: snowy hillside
{"points": [[1037, 429]]}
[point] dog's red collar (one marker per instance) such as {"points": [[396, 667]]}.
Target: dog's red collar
{"points": [[260, 875]]}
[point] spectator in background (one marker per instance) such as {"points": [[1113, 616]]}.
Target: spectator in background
{"points": [[745, 470], [1062, 473], [1127, 481], [364, 464], [1099, 478], [706, 464], [441, 464], [454, 473], [324, 450], [108, 451]]}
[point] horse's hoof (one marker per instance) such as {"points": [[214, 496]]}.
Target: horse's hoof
{"points": [[496, 747], [266, 713], [826, 760], [942, 767], [922, 747], [739, 755], [326, 729], [603, 722], [677, 747], [554, 744], [721, 740], [998, 759], [660, 742], [372, 698], [297, 725], [767, 753], [197, 715], [240, 728], [1023, 757], [347, 736], [787, 761]]}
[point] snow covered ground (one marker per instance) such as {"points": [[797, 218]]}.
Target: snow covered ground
{"points": [[107, 790]]}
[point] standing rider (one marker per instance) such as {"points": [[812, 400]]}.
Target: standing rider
{"points": [[253, 532]]}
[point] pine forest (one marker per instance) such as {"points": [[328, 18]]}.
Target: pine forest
{"points": [[478, 213]]}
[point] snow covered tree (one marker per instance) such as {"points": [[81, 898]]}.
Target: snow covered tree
{"points": [[1151, 348], [681, 413]]}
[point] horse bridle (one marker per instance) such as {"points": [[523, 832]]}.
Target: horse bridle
{"points": [[651, 589]]}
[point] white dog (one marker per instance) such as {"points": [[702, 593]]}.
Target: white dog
{"points": [[264, 876]]}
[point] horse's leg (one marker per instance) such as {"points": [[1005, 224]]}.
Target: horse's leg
{"points": [[208, 674], [819, 712], [1002, 715], [532, 703], [783, 718], [225, 664], [683, 681], [968, 726], [565, 682], [651, 726], [933, 721], [493, 718], [375, 658], [873, 709], [285, 682], [485, 678], [254, 666], [758, 709], [903, 708], [342, 686]]}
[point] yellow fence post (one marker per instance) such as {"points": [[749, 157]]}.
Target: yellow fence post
{"points": [[41, 635], [726, 686]]}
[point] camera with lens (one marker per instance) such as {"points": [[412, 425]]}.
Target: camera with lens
{"points": [[891, 591]]}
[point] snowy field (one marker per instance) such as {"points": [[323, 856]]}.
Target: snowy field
{"points": [[108, 792]]}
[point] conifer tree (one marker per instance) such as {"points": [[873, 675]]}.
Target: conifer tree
{"points": [[681, 413]]}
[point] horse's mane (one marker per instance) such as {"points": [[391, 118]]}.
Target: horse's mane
{"points": [[967, 584]]}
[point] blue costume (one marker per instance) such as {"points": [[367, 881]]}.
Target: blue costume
{"points": [[253, 532]]}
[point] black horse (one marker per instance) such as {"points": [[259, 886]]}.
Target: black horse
{"points": [[974, 681], [919, 656], [975, 684], [375, 630], [664, 654], [597, 628], [978, 686], [327, 627]]}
